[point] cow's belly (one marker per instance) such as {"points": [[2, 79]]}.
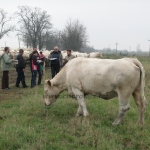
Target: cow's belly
{"points": [[106, 96]]}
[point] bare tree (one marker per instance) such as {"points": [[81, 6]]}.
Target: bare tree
{"points": [[26, 40], [5, 28], [53, 38], [74, 36], [33, 22]]}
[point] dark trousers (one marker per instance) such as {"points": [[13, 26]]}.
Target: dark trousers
{"points": [[40, 75], [5, 80], [20, 77], [54, 70], [33, 79]]}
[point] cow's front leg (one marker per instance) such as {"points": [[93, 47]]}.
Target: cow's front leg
{"points": [[82, 105], [80, 111]]}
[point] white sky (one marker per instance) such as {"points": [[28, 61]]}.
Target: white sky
{"points": [[107, 21]]}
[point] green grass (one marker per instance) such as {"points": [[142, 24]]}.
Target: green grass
{"points": [[26, 124]]}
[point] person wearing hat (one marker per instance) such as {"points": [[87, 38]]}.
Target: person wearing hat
{"points": [[68, 57]]}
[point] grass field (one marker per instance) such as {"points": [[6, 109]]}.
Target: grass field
{"points": [[26, 124]]}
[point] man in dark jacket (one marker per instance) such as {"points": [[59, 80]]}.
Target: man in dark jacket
{"points": [[20, 68], [39, 70], [56, 61]]}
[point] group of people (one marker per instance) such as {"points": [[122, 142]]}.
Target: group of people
{"points": [[56, 60], [36, 66]]}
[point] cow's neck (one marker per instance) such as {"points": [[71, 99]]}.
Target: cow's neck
{"points": [[60, 80]]}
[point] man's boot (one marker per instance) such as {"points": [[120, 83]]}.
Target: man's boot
{"points": [[24, 83]]}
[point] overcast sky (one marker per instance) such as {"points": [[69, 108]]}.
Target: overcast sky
{"points": [[107, 21]]}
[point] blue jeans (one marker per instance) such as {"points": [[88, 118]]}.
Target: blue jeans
{"points": [[33, 79]]}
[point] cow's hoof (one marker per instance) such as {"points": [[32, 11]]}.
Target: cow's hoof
{"points": [[78, 114], [141, 123], [115, 123], [85, 115]]}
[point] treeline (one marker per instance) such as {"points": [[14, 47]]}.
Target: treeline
{"points": [[36, 30], [115, 52], [124, 52]]}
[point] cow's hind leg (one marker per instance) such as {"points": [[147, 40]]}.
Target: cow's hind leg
{"points": [[81, 101], [141, 104], [124, 106]]}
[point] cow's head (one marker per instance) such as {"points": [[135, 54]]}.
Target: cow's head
{"points": [[51, 93]]}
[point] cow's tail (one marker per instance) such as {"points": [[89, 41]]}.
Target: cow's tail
{"points": [[142, 75]]}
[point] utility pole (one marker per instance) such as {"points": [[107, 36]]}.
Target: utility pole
{"points": [[116, 49], [5, 44], [149, 48], [19, 41]]}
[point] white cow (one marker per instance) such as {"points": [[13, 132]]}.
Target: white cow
{"points": [[26, 54], [64, 53], [104, 78], [95, 54], [46, 53], [79, 54], [1, 53], [84, 55]]}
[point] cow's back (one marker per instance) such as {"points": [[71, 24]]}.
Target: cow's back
{"points": [[101, 75]]}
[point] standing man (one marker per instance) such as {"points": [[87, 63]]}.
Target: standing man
{"points": [[5, 67], [20, 68], [39, 70], [56, 61], [34, 68], [68, 57]]}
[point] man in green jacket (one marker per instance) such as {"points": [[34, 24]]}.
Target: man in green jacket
{"points": [[5, 67], [68, 57]]}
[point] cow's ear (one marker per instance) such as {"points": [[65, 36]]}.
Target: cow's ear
{"points": [[49, 82]]}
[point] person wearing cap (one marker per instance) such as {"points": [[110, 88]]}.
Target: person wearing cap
{"points": [[20, 68], [68, 57], [56, 61]]}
